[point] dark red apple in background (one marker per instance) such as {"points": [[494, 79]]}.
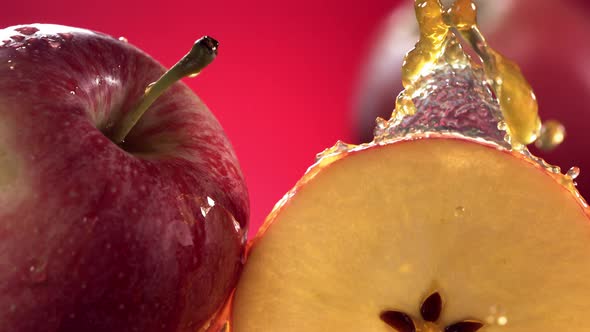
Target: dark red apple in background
{"points": [[95, 236], [546, 38]]}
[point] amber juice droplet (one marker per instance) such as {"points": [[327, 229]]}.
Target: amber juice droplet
{"points": [[552, 134]]}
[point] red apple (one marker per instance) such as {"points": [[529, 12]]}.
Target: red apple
{"points": [[546, 39], [96, 236]]}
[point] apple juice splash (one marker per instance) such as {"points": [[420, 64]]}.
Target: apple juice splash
{"points": [[448, 92]]}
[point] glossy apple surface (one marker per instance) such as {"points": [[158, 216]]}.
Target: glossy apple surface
{"points": [[544, 37], [97, 237]]}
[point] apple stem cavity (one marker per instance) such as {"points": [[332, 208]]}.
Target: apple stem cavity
{"points": [[201, 54]]}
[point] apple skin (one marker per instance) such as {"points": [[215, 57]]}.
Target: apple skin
{"points": [[95, 237], [551, 55]]}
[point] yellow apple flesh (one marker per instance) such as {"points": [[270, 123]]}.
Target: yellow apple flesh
{"points": [[501, 240]]}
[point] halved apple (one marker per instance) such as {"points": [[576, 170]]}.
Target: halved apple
{"points": [[445, 222], [368, 241]]}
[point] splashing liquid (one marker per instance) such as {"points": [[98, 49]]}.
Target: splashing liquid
{"points": [[449, 93], [514, 94]]}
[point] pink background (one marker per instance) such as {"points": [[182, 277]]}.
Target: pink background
{"points": [[283, 84]]}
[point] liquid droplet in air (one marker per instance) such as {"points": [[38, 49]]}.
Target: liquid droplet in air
{"points": [[573, 173], [552, 135]]}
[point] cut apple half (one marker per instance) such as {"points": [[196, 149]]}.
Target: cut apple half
{"points": [[421, 235]]}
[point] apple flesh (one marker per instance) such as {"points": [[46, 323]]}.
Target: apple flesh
{"points": [[549, 54], [146, 236], [379, 230], [439, 224]]}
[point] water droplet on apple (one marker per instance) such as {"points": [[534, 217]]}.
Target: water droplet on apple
{"points": [[90, 221], [84, 285], [27, 30], [149, 86], [17, 38], [237, 226], [496, 316], [38, 272], [54, 43], [206, 205], [72, 315], [121, 306], [123, 39], [73, 93], [459, 211], [573, 172], [338, 149]]}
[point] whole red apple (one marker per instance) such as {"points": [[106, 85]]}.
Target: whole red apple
{"points": [[544, 37], [96, 236]]}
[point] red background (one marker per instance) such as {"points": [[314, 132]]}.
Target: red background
{"points": [[283, 84]]}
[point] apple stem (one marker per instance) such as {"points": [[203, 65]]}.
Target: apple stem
{"points": [[201, 54]]}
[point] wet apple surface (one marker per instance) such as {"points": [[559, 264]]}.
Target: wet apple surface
{"points": [[97, 236]]}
